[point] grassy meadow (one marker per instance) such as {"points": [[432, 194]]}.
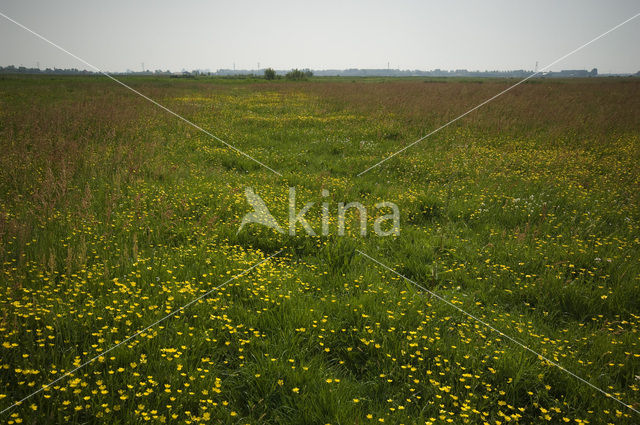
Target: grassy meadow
{"points": [[113, 214]]}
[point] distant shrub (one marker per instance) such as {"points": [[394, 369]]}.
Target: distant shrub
{"points": [[269, 74]]}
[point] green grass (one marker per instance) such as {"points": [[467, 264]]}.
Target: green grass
{"points": [[524, 214]]}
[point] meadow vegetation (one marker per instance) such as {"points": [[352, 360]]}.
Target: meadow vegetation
{"points": [[114, 213]]}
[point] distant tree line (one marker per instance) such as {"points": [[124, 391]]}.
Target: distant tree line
{"points": [[298, 74], [11, 69], [294, 74]]}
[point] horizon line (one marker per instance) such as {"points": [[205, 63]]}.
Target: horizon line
{"points": [[244, 71]]}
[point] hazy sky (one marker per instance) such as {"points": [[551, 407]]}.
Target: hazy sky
{"points": [[477, 35]]}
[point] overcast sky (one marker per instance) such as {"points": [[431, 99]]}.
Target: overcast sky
{"points": [[187, 34]]}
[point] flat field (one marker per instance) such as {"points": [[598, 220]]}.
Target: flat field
{"points": [[525, 214]]}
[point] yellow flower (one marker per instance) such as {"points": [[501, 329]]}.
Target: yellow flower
{"points": [[296, 390]]}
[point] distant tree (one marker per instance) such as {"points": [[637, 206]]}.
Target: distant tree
{"points": [[269, 74], [308, 73], [296, 74]]}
